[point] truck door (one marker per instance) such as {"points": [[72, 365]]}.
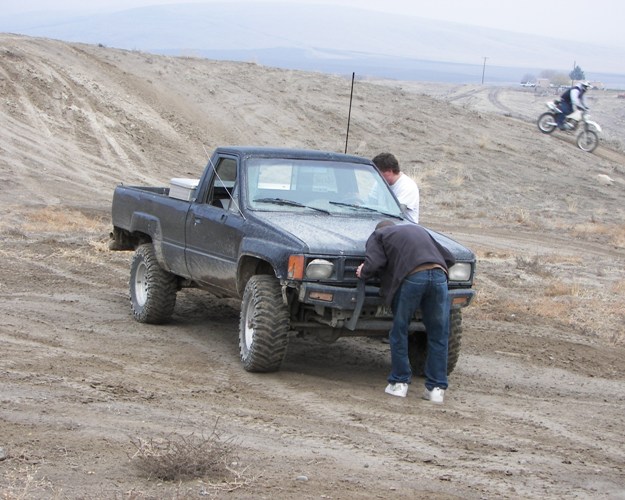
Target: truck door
{"points": [[213, 230]]}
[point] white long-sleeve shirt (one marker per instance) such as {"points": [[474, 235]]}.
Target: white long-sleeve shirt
{"points": [[407, 192], [577, 101]]}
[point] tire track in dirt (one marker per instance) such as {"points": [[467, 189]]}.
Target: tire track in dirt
{"points": [[516, 240]]}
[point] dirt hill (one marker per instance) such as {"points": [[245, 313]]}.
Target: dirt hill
{"points": [[535, 406]]}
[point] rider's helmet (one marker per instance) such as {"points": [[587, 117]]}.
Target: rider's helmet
{"points": [[585, 85]]}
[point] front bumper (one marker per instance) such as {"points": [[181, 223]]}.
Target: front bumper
{"points": [[346, 299]]}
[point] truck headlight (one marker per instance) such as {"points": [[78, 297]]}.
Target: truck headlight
{"points": [[460, 271], [319, 269]]}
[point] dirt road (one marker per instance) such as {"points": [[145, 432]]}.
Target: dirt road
{"points": [[535, 406]]}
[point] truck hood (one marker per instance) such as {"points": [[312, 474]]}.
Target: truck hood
{"points": [[323, 234]]}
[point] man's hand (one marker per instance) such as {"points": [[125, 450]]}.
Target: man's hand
{"points": [[359, 270]]}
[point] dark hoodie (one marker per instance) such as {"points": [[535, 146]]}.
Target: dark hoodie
{"points": [[392, 252]]}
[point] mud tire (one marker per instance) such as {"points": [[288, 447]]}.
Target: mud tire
{"points": [[417, 346], [152, 289], [263, 326]]}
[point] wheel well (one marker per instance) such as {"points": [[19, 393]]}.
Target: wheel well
{"points": [[248, 267], [122, 239]]}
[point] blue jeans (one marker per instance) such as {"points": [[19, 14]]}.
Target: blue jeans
{"points": [[426, 290], [566, 109]]}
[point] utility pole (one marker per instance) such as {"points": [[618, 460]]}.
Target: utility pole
{"points": [[484, 70]]}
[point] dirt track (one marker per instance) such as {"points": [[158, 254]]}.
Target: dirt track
{"points": [[535, 406]]}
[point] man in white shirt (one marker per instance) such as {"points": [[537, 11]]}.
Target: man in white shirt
{"points": [[405, 189]]}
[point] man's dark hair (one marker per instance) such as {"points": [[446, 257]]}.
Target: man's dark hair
{"points": [[385, 162]]}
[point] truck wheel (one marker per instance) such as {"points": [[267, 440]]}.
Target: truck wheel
{"points": [[264, 325], [455, 339], [417, 346], [152, 289]]}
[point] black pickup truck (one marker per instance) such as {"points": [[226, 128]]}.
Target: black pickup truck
{"points": [[283, 230]]}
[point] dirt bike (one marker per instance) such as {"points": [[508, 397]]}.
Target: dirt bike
{"points": [[588, 136]]}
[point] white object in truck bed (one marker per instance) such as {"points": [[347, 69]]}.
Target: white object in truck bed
{"points": [[182, 188]]}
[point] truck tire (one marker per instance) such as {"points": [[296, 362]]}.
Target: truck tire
{"points": [[417, 346], [152, 289], [264, 325]]}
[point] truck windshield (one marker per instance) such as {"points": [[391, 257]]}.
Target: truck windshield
{"points": [[329, 186]]}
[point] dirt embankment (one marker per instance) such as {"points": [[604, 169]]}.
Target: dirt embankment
{"points": [[535, 406]]}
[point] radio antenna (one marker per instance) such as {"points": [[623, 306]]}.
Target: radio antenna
{"points": [[349, 115]]}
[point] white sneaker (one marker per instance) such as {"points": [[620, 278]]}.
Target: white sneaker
{"points": [[436, 395], [397, 389]]}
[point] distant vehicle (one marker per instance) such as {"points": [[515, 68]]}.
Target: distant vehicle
{"points": [[528, 84], [588, 137]]}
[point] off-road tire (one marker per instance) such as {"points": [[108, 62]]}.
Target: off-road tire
{"points": [[417, 346], [152, 289], [264, 325], [546, 123], [587, 140]]}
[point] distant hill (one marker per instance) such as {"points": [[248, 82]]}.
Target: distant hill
{"points": [[334, 40]]}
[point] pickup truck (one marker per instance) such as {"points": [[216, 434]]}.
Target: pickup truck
{"points": [[283, 231]]}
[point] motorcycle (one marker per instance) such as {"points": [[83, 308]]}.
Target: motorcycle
{"points": [[588, 136]]}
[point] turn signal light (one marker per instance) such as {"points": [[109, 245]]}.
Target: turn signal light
{"points": [[296, 267]]}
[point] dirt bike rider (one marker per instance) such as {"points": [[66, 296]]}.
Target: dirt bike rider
{"points": [[571, 100]]}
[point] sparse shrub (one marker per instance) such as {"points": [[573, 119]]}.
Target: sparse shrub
{"points": [[484, 142], [522, 216], [618, 237], [534, 266], [461, 176], [619, 287], [559, 289], [519, 215], [174, 457]]}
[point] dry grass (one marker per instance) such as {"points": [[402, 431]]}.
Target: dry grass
{"points": [[25, 482], [572, 205], [551, 309], [619, 288], [558, 259], [520, 215], [618, 236], [488, 253], [590, 229], [560, 289], [62, 219], [533, 266], [484, 142], [557, 294], [461, 176]]}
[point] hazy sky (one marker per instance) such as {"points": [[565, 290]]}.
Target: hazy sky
{"points": [[597, 22]]}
